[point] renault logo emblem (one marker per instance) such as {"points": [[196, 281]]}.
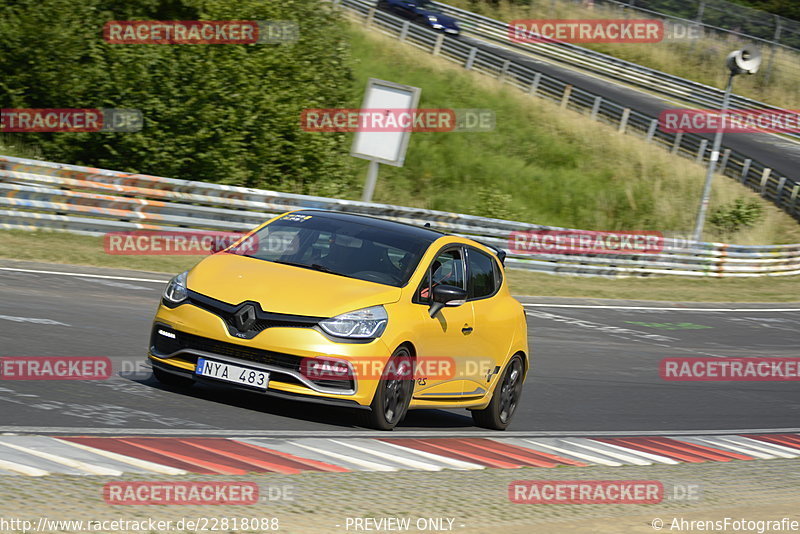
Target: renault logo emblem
{"points": [[245, 317]]}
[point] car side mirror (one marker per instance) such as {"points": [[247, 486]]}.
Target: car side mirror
{"points": [[445, 295]]}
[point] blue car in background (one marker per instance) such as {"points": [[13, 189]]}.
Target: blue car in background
{"points": [[423, 12]]}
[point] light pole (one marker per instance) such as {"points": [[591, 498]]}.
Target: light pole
{"points": [[744, 61]]}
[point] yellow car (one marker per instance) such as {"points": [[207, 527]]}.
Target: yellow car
{"points": [[349, 310]]}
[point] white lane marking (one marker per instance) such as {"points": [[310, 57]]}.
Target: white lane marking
{"points": [[135, 462], [23, 469], [33, 320], [69, 462], [247, 433], [597, 307], [372, 466], [408, 462], [654, 457], [576, 454], [455, 464], [616, 331], [110, 283], [623, 457], [130, 279], [722, 444]]}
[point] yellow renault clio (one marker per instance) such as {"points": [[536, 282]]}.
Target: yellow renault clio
{"points": [[349, 310]]}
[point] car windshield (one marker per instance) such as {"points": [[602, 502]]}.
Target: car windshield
{"points": [[344, 247], [427, 5]]}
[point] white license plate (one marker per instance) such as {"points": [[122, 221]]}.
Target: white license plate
{"points": [[232, 373]]}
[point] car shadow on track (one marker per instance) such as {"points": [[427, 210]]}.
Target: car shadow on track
{"points": [[302, 412]]}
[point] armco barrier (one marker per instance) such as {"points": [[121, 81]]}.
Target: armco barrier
{"points": [[43, 195], [782, 190]]}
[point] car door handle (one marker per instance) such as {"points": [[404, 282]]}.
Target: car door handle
{"points": [[466, 330]]}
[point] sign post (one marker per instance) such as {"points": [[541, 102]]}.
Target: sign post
{"points": [[387, 147]]}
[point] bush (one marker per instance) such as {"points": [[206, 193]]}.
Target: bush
{"points": [[217, 113], [730, 218]]}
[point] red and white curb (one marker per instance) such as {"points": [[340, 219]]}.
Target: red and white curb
{"points": [[113, 456]]}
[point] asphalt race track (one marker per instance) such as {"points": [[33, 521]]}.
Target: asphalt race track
{"points": [[594, 369]]}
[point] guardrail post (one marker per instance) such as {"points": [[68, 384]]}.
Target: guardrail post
{"points": [[779, 192], [370, 16], [745, 170], [701, 151], [795, 191], [676, 145], [598, 100], [623, 122], [437, 47], [764, 178], [726, 155], [775, 39], [565, 98], [335, 4], [471, 58], [504, 70], [651, 131], [535, 83], [404, 31]]}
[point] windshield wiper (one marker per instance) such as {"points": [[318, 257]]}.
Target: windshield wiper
{"points": [[313, 267]]}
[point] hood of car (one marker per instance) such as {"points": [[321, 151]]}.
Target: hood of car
{"points": [[445, 20], [284, 288]]}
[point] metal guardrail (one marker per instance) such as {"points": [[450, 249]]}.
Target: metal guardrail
{"points": [[43, 195], [753, 174], [653, 80]]}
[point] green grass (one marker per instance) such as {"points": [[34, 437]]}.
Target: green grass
{"points": [[18, 149], [62, 247], [702, 60], [66, 248]]}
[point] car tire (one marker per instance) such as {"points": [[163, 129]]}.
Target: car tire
{"points": [[497, 415], [169, 379], [393, 394]]}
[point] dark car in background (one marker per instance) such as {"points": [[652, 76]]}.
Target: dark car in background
{"points": [[423, 12]]}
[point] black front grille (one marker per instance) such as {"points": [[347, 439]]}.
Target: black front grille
{"points": [[183, 341], [263, 320]]}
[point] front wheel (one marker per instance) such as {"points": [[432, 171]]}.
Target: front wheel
{"points": [[497, 415], [393, 395]]}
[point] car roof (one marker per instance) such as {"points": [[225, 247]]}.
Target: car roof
{"points": [[427, 234]]}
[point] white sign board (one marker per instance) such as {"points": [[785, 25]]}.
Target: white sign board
{"points": [[385, 147]]}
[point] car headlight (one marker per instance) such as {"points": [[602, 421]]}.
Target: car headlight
{"points": [[176, 291], [432, 18], [363, 324]]}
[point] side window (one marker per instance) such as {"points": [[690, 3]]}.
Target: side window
{"points": [[446, 269], [481, 274]]}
